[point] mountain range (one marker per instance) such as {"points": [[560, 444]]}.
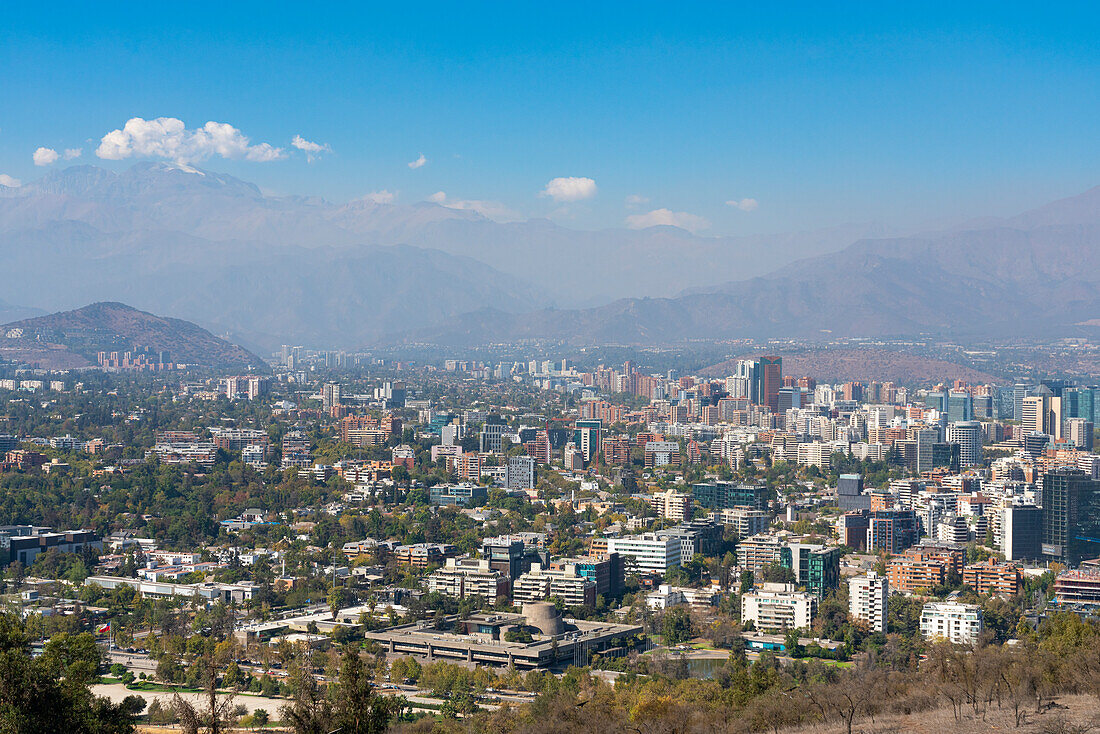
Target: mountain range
{"points": [[263, 269]]}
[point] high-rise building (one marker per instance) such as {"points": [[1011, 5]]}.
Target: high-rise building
{"points": [[330, 395], [1042, 413], [492, 436], [1079, 433], [721, 495], [587, 436], [815, 566], [771, 379], [1035, 443], [789, 397], [968, 435], [540, 450], [960, 406], [1021, 532], [519, 473], [849, 493], [925, 439], [867, 599], [1071, 516], [745, 382]]}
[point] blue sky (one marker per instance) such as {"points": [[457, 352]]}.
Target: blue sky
{"points": [[821, 114]]}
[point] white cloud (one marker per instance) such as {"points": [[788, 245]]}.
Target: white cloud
{"points": [[745, 205], [6, 180], [657, 217], [494, 210], [169, 138], [380, 197], [44, 156], [636, 200], [312, 150], [71, 153], [419, 162], [570, 188]]}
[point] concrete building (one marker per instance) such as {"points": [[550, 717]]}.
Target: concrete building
{"points": [[647, 553], [991, 577], [778, 607], [23, 543], [968, 436], [672, 505], [669, 596], [758, 552], [209, 592], [564, 582], [1078, 588], [952, 622], [519, 473], [744, 521], [480, 639], [868, 598], [468, 577]]}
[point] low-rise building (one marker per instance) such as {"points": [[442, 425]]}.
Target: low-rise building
{"points": [[1080, 587], [745, 522], [468, 577], [565, 583], [422, 555], [647, 553], [667, 596], [952, 622], [778, 607], [671, 505], [993, 577]]}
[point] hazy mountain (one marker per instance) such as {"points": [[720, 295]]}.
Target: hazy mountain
{"points": [[10, 312], [267, 268], [1035, 274], [61, 339], [216, 250]]}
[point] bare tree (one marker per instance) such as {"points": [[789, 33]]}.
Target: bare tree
{"points": [[214, 714]]}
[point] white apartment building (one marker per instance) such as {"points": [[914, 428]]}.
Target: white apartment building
{"points": [[778, 607], [951, 621], [647, 553], [540, 584], [867, 599], [746, 522], [669, 596], [467, 577], [672, 505], [815, 454], [519, 473]]}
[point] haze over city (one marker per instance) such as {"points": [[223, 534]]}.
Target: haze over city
{"points": [[444, 369]]}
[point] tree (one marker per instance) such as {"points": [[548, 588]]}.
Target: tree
{"points": [[310, 711], [51, 693], [215, 714], [676, 626], [860, 692], [359, 710]]}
